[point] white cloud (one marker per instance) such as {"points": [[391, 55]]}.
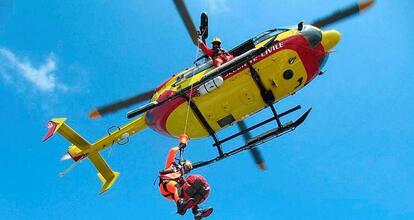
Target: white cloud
{"points": [[7, 78], [42, 78], [217, 5]]}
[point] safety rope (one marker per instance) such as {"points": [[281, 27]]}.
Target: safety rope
{"points": [[189, 100], [191, 96]]}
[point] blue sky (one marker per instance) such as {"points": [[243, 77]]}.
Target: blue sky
{"points": [[351, 159]]}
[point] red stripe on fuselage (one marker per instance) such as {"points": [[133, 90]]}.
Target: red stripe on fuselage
{"points": [[157, 117]]}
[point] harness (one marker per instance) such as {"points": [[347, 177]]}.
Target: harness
{"points": [[172, 173]]}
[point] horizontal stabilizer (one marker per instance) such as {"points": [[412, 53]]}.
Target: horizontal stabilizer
{"points": [[105, 174]]}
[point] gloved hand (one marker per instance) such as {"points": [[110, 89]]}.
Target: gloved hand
{"points": [[181, 146]]}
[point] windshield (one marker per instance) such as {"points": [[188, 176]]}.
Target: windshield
{"points": [[313, 35], [202, 63], [269, 33]]}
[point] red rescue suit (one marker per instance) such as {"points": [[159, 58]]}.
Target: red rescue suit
{"points": [[218, 55]]}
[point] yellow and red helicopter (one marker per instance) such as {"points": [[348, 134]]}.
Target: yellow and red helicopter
{"points": [[204, 99]]}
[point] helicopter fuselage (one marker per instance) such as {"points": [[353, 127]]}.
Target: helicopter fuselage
{"points": [[284, 68]]}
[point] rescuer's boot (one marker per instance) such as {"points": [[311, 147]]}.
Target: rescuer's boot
{"points": [[183, 205], [201, 213]]}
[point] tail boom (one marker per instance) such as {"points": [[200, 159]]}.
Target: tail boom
{"points": [[81, 148]]}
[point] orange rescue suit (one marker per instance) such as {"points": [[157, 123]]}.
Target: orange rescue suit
{"points": [[171, 177]]}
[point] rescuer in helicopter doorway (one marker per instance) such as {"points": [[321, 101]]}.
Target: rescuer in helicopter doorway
{"points": [[217, 53], [185, 192]]}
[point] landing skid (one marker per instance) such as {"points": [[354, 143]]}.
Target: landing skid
{"points": [[280, 130]]}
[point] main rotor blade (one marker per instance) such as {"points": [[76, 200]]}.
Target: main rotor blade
{"points": [[110, 108], [343, 13], [257, 156], [185, 16]]}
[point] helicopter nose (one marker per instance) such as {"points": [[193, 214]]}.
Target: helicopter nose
{"points": [[330, 39]]}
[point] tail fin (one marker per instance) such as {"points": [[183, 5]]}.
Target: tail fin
{"points": [[58, 125], [105, 174], [81, 148]]}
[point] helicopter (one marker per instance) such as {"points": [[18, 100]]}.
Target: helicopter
{"points": [[204, 99]]}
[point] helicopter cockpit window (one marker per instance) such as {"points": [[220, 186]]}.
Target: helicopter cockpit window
{"points": [[267, 34], [262, 36], [313, 35]]}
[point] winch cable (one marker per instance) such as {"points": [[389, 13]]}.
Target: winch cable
{"points": [[190, 98], [191, 91]]}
